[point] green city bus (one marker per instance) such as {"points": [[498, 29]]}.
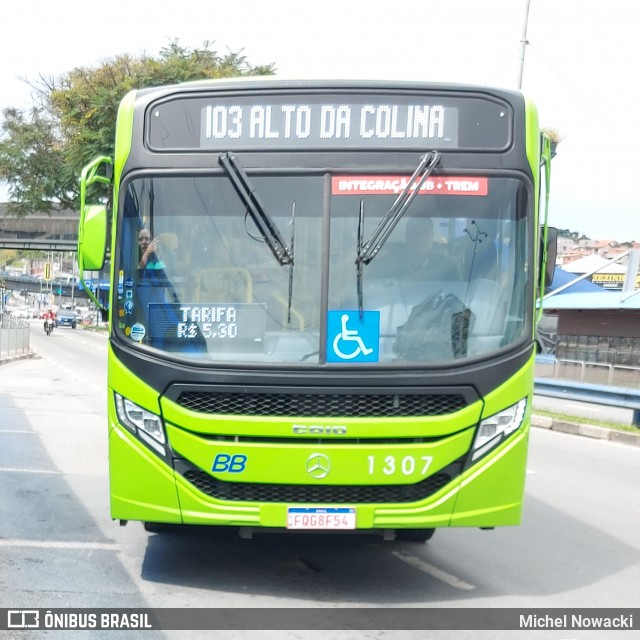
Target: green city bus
{"points": [[322, 303]]}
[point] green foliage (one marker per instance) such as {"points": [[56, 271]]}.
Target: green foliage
{"points": [[553, 134], [7, 256], [43, 151], [31, 161], [567, 233], [580, 420]]}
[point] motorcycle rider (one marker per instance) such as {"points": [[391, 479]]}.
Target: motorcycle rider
{"points": [[49, 317]]}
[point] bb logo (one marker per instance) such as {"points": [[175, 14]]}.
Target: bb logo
{"points": [[225, 463]]}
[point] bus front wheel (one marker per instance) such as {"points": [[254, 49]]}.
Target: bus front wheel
{"points": [[414, 535]]}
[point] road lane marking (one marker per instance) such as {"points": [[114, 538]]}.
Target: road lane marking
{"points": [[433, 571], [17, 431], [101, 346], [18, 470], [60, 544]]}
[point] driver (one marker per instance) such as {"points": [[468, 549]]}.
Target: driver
{"points": [[422, 256]]}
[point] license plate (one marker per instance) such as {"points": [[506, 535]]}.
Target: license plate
{"points": [[320, 518]]}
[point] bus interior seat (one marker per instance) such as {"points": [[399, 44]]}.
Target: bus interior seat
{"points": [[168, 241], [486, 301], [297, 319], [223, 284], [481, 261]]}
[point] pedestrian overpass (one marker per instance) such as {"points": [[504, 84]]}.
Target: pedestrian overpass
{"points": [[30, 284], [39, 244], [50, 231]]}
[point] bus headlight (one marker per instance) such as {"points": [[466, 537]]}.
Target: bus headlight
{"points": [[496, 428], [146, 425]]}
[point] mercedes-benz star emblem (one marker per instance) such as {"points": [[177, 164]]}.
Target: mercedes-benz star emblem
{"points": [[318, 466]]}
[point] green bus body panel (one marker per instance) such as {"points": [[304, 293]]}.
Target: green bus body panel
{"points": [[513, 390], [124, 129], [121, 380], [124, 135], [489, 493], [498, 486], [532, 146], [350, 463], [142, 488]]}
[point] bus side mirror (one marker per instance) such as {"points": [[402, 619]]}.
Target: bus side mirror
{"points": [[552, 254], [92, 237]]}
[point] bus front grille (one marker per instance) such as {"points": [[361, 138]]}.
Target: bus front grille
{"points": [[322, 404], [318, 494]]}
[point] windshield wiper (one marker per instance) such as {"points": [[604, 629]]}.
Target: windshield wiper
{"points": [[293, 237], [358, 261], [266, 226], [247, 193], [367, 251], [370, 249]]}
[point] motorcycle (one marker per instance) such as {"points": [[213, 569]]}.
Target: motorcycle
{"points": [[48, 326]]}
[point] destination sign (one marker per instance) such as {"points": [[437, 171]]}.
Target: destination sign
{"points": [[433, 123], [225, 123]]}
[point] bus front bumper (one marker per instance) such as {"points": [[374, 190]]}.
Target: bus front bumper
{"points": [[487, 494]]}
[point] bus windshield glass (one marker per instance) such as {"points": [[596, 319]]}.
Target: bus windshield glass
{"points": [[197, 279]]}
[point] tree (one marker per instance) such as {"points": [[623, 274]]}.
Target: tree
{"points": [[7, 256], [42, 151], [567, 233], [32, 162]]}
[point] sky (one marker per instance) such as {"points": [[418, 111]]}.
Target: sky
{"points": [[579, 66]]}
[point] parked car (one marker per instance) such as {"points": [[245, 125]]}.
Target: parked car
{"points": [[19, 312], [66, 318], [82, 311]]}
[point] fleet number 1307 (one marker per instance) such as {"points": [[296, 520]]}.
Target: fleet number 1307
{"points": [[405, 465]]}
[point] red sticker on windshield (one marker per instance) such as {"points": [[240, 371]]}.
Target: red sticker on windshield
{"points": [[393, 185]]}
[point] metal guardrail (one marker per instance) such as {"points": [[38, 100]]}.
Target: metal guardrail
{"points": [[581, 391], [15, 335], [615, 375]]}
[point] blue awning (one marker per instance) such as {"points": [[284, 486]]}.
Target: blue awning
{"points": [[561, 277]]}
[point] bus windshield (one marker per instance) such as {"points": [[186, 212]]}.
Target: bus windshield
{"points": [[196, 278]]}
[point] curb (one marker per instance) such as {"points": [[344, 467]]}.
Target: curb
{"points": [[22, 356], [586, 430]]}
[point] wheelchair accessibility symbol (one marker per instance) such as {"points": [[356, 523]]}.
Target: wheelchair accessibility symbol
{"points": [[351, 338]]}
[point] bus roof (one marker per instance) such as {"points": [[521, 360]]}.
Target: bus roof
{"points": [[277, 82]]}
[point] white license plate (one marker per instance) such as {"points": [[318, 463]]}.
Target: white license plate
{"points": [[321, 518]]}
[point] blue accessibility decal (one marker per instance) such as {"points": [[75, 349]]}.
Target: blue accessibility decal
{"points": [[352, 338]]}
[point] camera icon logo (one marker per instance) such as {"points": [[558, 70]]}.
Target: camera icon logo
{"points": [[23, 619]]}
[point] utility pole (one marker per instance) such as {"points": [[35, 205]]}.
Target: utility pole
{"points": [[629, 284], [73, 281], [523, 43]]}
